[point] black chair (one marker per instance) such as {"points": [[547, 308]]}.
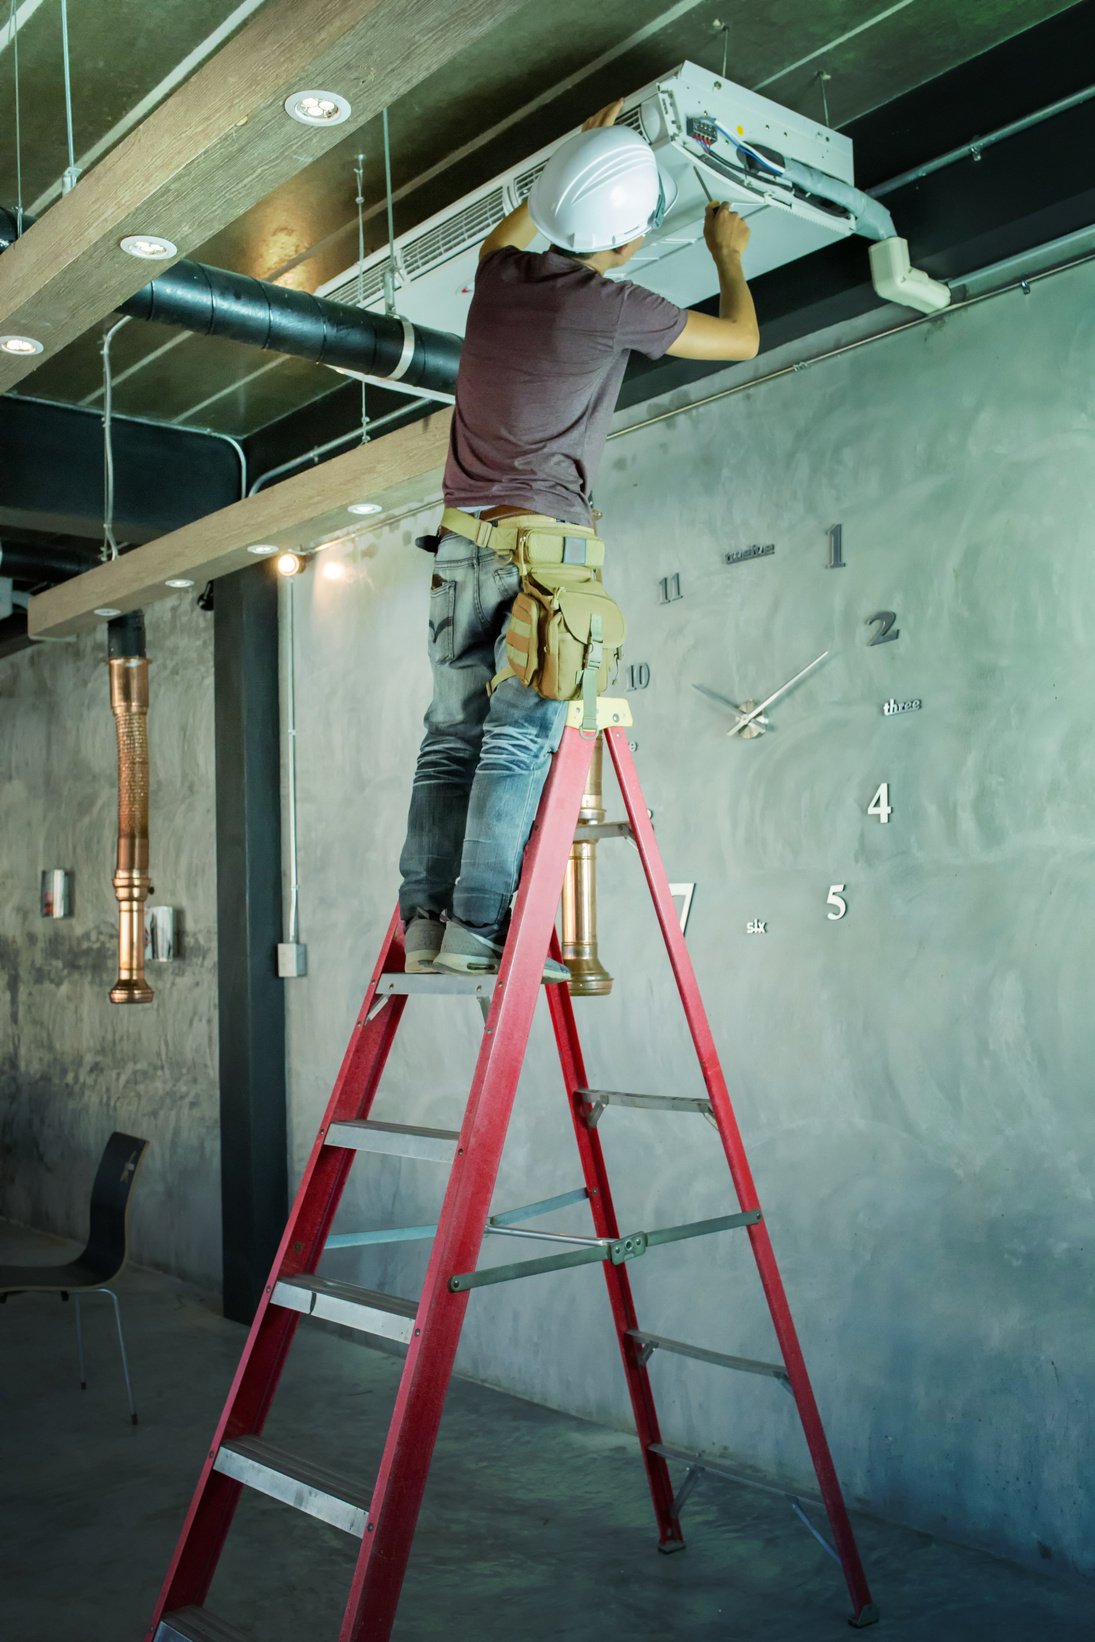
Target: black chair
{"points": [[106, 1250]]}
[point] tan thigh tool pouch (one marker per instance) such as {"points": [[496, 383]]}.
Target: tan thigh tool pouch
{"points": [[565, 633]]}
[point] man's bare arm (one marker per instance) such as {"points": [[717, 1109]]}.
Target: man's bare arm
{"points": [[518, 230], [734, 334]]}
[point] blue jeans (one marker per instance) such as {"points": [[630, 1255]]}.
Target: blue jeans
{"points": [[484, 759]]}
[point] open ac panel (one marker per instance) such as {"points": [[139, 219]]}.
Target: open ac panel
{"points": [[791, 178]]}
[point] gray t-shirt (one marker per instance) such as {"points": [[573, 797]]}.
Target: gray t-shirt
{"points": [[543, 358]]}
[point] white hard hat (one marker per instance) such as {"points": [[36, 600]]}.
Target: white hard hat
{"points": [[599, 189]]}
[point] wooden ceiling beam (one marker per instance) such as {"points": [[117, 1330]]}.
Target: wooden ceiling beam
{"points": [[397, 471], [217, 146]]}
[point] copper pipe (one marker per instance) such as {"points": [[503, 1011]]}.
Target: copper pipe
{"points": [[589, 978], [129, 704]]}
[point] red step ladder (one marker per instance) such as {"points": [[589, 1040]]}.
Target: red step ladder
{"points": [[385, 1520]]}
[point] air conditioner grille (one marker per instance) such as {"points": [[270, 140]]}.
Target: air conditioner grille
{"points": [[372, 287], [454, 234], [524, 180]]}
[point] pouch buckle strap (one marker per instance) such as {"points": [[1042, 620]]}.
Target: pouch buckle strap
{"points": [[594, 656], [483, 532]]}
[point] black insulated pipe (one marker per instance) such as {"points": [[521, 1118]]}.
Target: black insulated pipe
{"points": [[214, 302], [35, 565]]}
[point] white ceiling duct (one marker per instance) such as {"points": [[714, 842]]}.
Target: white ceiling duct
{"points": [[791, 178]]}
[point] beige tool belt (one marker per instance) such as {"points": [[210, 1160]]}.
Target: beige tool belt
{"points": [[531, 539], [564, 633]]}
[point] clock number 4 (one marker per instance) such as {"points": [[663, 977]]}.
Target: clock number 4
{"points": [[880, 804], [886, 632], [836, 899]]}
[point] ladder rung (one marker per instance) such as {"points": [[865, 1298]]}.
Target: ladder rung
{"points": [[195, 1625], [595, 1098], [722, 1468], [593, 831], [748, 1365], [394, 1140], [476, 986], [385, 1315], [301, 1483]]}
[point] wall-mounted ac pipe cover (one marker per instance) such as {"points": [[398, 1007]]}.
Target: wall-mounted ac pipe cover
{"points": [[215, 302], [791, 178]]}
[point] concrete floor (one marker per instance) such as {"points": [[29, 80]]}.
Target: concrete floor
{"points": [[535, 1526]]}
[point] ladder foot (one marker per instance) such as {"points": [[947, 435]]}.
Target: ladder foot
{"points": [[867, 1615], [668, 1546]]}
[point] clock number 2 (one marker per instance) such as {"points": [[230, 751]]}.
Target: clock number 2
{"points": [[880, 804], [884, 634], [836, 899]]}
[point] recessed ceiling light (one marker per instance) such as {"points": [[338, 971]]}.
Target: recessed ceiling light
{"points": [[179, 581], [317, 107], [21, 345], [149, 246], [264, 550], [290, 564], [107, 610], [364, 507]]}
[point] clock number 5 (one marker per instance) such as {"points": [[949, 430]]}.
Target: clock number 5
{"points": [[836, 899], [880, 804]]}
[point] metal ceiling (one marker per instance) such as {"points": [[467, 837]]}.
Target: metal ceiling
{"points": [[529, 82]]}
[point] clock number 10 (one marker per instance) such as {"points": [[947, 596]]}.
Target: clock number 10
{"points": [[880, 804]]}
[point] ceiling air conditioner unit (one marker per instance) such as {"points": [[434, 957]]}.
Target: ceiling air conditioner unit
{"points": [[788, 176]]}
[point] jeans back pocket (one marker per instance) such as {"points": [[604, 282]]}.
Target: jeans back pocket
{"points": [[442, 620]]}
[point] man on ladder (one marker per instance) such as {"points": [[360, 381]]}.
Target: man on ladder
{"points": [[547, 343]]}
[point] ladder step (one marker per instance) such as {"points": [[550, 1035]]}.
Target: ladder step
{"points": [[195, 1625], [384, 1315], [747, 1365], [394, 1140], [391, 984], [723, 1468], [301, 1483], [595, 1100]]}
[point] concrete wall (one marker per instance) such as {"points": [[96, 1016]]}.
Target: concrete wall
{"points": [[73, 1067], [913, 1080]]}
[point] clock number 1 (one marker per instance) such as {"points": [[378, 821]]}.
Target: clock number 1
{"points": [[836, 899], [836, 547], [880, 804]]}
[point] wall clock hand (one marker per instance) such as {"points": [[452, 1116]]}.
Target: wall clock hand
{"points": [[747, 718], [726, 702]]}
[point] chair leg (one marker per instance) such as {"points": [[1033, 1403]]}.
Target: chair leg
{"points": [[79, 1340], [121, 1348]]}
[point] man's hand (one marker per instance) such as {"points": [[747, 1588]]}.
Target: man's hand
{"points": [[725, 232], [604, 116]]}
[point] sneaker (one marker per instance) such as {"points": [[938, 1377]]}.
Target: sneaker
{"points": [[463, 953], [422, 943]]}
